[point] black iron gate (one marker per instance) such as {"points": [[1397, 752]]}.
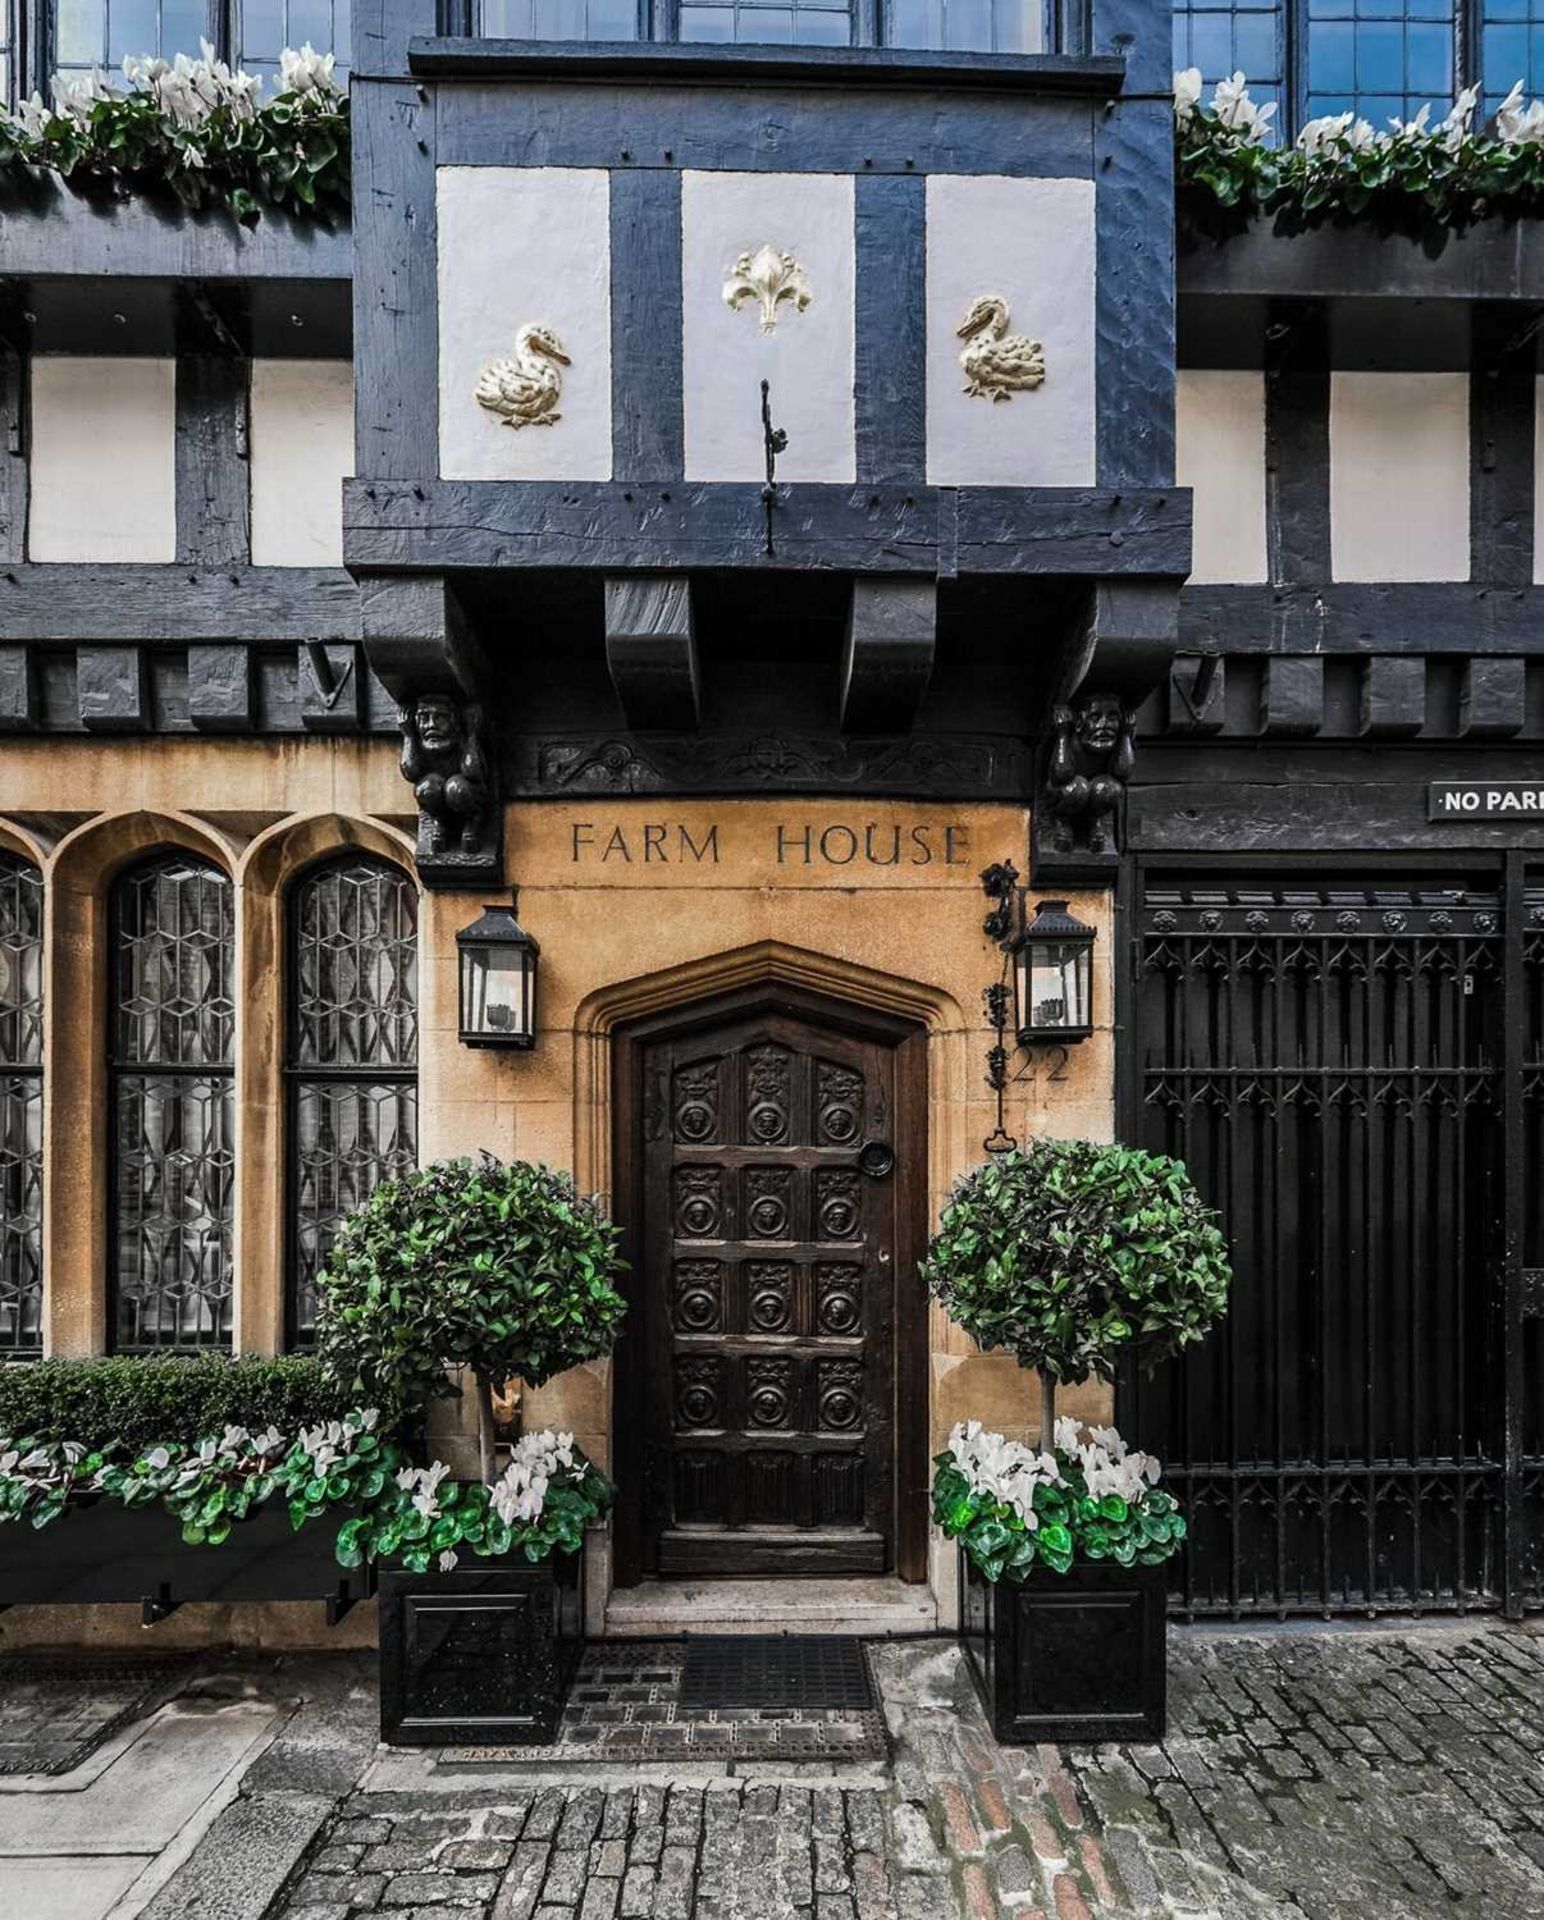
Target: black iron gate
{"points": [[1354, 1073]]}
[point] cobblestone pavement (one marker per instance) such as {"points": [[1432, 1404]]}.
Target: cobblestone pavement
{"points": [[1317, 1773]]}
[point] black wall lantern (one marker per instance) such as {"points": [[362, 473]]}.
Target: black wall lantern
{"points": [[1053, 977], [1051, 1000], [498, 980]]}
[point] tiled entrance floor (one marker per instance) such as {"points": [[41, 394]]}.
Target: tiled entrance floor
{"points": [[625, 1706]]}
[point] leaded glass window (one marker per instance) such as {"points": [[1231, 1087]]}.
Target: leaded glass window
{"points": [[102, 33], [803, 23], [1383, 59], [173, 1024], [265, 27], [966, 26], [1224, 37], [560, 20], [353, 1054], [21, 1108], [1512, 48]]}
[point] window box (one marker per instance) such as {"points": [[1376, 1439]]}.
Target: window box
{"points": [[482, 1655], [100, 1553], [1075, 1656]]}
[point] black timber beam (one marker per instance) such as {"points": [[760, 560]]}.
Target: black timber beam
{"points": [[49, 233], [1490, 260], [887, 658], [614, 527], [651, 651], [172, 605], [1445, 617], [850, 68], [212, 480]]}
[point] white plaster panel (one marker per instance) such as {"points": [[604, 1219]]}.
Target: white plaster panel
{"points": [[1031, 242], [1538, 483], [104, 464], [1399, 476], [1220, 454], [524, 246], [807, 359], [302, 445]]}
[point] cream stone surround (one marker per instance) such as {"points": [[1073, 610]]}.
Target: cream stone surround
{"points": [[616, 944]]}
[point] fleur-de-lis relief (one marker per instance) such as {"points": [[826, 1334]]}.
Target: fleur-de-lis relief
{"points": [[769, 276], [524, 391]]}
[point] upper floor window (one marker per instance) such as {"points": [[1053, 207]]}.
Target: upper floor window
{"points": [[352, 1054], [1224, 37], [958, 26], [21, 1107], [173, 1017], [1382, 59], [966, 26], [1512, 48], [263, 28], [87, 34]]}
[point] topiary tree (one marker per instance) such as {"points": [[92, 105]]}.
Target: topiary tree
{"points": [[504, 1270], [1068, 1253]]}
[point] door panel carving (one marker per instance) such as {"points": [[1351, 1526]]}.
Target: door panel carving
{"points": [[767, 1269]]}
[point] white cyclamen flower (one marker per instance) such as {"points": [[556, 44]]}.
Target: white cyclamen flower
{"points": [[305, 72], [1522, 126], [1234, 108], [31, 116], [1455, 128], [1187, 93]]}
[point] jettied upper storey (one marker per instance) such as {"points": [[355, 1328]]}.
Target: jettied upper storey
{"points": [[637, 323]]}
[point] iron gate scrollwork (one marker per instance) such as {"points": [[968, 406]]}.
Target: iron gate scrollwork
{"points": [[1328, 1059]]}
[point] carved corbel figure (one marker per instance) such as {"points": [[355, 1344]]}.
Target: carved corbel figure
{"points": [[1093, 752], [444, 759]]}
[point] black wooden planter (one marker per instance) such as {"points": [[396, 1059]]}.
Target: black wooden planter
{"points": [[101, 1553], [482, 1655], [1068, 1657]]}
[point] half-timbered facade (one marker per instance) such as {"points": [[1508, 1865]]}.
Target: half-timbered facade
{"points": [[746, 471]]}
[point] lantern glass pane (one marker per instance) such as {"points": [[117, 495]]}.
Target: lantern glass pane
{"points": [[494, 995], [1054, 977]]}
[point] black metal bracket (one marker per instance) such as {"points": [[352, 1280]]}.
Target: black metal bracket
{"points": [[156, 1607], [340, 1604], [1000, 883], [774, 441]]}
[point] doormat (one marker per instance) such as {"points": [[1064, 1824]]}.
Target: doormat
{"points": [[627, 1705], [56, 1710], [776, 1670]]}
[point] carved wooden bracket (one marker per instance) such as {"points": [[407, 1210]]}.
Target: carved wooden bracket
{"points": [[422, 650], [1126, 649], [892, 633], [652, 651]]}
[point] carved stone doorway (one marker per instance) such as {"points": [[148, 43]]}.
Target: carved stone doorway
{"points": [[772, 1400]]}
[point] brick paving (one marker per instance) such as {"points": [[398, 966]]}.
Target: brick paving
{"points": [[1323, 1774]]}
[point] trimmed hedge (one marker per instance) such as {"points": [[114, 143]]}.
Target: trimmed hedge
{"points": [[137, 1403]]}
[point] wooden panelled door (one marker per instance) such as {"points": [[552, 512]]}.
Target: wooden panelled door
{"points": [[766, 1200]]}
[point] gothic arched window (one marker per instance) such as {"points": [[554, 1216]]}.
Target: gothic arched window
{"points": [[169, 1061], [21, 1107], [352, 1054]]}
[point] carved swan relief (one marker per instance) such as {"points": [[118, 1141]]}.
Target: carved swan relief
{"points": [[769, 276], [524, 391], [997, 364]]}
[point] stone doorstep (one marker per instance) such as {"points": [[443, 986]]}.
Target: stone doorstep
{"points": [[871, 1609]]}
